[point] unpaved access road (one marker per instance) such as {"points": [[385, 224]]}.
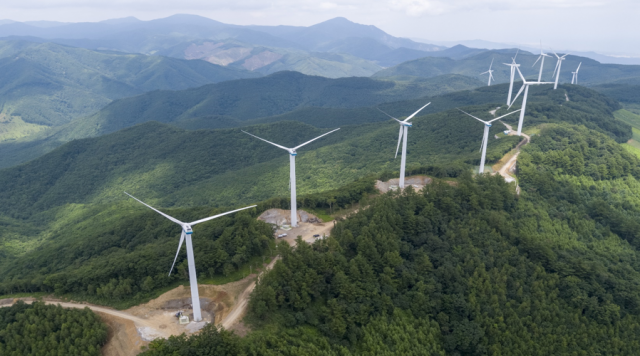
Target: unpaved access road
{"points": [[508, 167], [243, 300], [116, 313]]}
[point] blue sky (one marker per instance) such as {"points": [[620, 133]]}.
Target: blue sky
{"points": [[610, 27]]}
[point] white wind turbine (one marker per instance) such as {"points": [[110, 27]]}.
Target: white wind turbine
{"points": [[490, 71], [513, 66], [574, 80], [187, 231], [292, 171], [485, 138], [542, 55], [525, 87], [404, 129], [556, 72]]}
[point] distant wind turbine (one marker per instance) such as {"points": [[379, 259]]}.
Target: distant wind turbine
{"points": [[187, 231], [556, 72], [485, 138], [542, 55], [490, 71], [292, 171], [574, 80], [513, 66], [404, 130], [525, 87]]}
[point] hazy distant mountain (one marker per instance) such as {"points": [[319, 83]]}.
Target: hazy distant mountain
{"points": [[249, 47], [591, 71], [488, 45]]}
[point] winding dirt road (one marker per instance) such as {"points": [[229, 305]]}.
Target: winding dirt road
{"points": [[243, 301], [139, 322], [510, 165]]}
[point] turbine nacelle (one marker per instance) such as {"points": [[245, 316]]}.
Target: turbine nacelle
{"points": [[187, 229]]}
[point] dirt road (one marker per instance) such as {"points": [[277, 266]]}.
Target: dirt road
{"points": [[138, 321], [243, 301], [510, 165]]}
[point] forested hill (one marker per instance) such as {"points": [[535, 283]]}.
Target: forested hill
{"points": [[231, 104], [469, 269], [591, 72], [50, 84], [153, 158]]}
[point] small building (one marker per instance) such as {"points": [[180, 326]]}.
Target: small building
{"points": [[506, 132]]}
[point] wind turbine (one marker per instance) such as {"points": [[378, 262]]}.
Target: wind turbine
{"points": [[542, 55], [556, 72], [292, 171], [404, 129], [485, 138], [513, 66], [490, 73], [574, 80], [187, 231], [525, 87]]}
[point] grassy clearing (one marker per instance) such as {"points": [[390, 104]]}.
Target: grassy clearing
{"points": [[320, 213], [632, 149], [628, 117]]}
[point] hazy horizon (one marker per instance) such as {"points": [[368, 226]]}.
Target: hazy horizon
{"points": [[604, 27]]}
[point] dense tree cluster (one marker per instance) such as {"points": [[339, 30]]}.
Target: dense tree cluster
{"points": [[496, 274], [129, 260], [46, 330]]}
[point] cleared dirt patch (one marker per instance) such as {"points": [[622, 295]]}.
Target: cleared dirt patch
{"points": [[123, 339], [417, 182]]}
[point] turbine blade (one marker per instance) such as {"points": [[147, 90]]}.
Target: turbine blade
{"points": [[219, 215], [514, 58], [484, 73], [415, 113], [177, 252], [498, 118], [308, 142], [482, 121], [284, 148], [517, 95], [521, 76], [389, 115], [556, 69], [578, 67], [491, 66], [399, 139], [156, 210], [534, 64]]}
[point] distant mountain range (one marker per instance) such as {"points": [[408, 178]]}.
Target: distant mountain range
{"points": [[334, 48], [471, 62]]}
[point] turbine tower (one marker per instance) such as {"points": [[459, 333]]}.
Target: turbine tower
{"points": [[574, 80], [556, 72], [404, 129], [513, 66], [525, 87], [187, 231], [542, 55], [485, 138], [490, 71], [292, 171]]}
